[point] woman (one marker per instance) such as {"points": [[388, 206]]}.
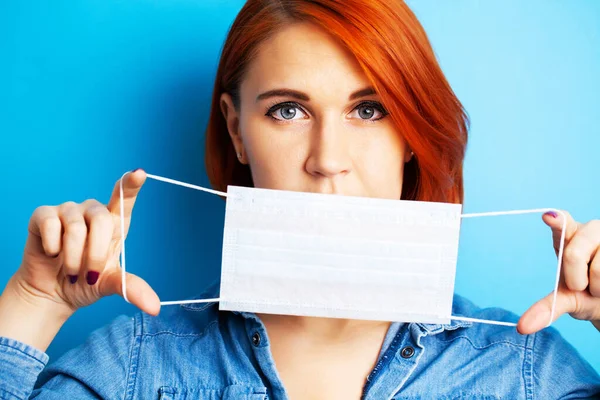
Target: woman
{"points": [[329, 96]]}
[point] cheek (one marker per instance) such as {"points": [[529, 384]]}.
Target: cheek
{"points": [[381, 164], [274, 159]]}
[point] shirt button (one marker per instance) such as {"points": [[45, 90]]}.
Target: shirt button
{"points": [[407, 352], [256, 339]]}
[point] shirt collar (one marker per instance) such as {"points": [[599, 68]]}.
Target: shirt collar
{"points": [[434, 329], [428, 329]]}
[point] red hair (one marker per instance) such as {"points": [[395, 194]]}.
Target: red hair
{"points": [[394, 52]]}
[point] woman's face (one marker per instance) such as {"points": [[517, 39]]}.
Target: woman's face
{"points": [[308, 120]]}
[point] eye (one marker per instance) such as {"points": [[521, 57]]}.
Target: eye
{"points": [[286, 112], [370, 111]]}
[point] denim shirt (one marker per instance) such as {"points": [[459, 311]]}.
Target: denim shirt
{"points": [[195, 351]]}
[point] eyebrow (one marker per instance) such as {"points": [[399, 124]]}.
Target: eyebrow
{"points": [[303, 96]]}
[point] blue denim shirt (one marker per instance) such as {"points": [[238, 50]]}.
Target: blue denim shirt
{"points": [[195, 351]]}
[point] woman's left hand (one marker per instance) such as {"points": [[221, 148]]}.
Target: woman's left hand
{"points": [[579, 286]]}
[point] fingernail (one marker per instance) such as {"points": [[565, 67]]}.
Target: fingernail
{"points": [[92, 277], [136, 170], [72, 278], [552, 214]]}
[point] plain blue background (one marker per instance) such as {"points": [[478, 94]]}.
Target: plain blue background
{"points": [[90, 89]]}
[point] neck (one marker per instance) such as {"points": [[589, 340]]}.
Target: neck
{"points": [[324, 330]]}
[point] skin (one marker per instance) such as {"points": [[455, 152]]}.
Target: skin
{"points": [[327, 148]]}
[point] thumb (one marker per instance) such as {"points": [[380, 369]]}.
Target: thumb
{"points": [[537, 317], [139, 292], [555, 220]]}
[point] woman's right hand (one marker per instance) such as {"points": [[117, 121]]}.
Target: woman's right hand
{"points": [[71, 257]]}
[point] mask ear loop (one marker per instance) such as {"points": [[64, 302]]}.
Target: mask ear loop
{"points": [[224, 194], [122, 214], [560, 256]]}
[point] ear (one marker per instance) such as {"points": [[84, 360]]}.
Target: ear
{"points": [[232, 119], [408, 155]]}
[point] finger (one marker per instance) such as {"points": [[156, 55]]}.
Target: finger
{"points": [[555, 221], [139, 292], [132, 183], [100, 224], [577, 256], [537, 317], [595, 274], [74, 237], [46, 225]]}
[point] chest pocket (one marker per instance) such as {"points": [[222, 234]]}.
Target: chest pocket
{"points": [[233, 392]]}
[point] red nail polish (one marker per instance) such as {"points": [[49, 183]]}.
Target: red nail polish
{"points": [[92, 277], [553, 214], [72, 278]]}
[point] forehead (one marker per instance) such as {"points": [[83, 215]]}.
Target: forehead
{"points": [[304, 57]]}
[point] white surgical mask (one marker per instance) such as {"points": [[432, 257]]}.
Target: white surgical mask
{"points": [[321, 255]]}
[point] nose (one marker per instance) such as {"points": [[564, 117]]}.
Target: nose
{"points": [[329, 152]]}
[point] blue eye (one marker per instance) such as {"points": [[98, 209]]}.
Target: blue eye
{"points": [[285, 111], [368, 109]]}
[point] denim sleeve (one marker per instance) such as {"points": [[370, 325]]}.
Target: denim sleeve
{"points": [[558, 370], [20, 365], [99, 368]]}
